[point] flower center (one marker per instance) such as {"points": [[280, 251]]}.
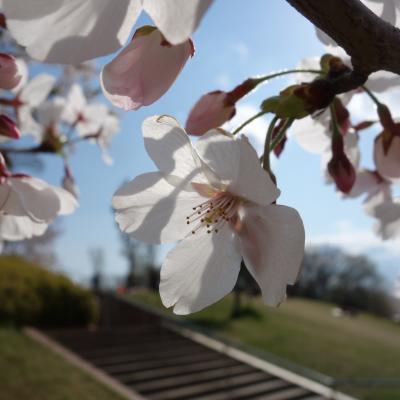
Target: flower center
{"points": [[214, 213]]}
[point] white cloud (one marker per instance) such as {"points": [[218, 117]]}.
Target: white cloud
{"points": [[241, 50], [223, 82]]}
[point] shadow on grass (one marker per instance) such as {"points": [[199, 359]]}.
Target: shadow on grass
{"points": [[247, 312]]}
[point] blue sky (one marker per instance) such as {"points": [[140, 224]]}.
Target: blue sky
{"points": [[236, 39]]}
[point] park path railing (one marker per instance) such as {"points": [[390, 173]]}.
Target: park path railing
{"points": [[161, 358]]}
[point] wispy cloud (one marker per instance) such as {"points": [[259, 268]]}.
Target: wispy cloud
{"points": [[223, 81], [241, 50]]}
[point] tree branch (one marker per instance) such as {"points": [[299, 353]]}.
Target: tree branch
{"points": [[372, 43]]}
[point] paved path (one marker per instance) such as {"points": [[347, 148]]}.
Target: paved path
{"points": [[161, 361]]}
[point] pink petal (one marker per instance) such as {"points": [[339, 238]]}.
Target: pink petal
{"points": [[144, 70], [272, 243], [388, 165]]}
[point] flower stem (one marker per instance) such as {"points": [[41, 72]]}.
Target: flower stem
{"points": [[335, 126], [286, 72], [281, 134], [372, 96], [237, 130], [267, 146]]}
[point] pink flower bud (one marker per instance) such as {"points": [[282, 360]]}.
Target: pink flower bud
{"points": [[215, 108], [144, 70], [340, 168], [211, 111], [10, 75], [8, 128]]}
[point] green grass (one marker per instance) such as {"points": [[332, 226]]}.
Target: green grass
{"points": [[306, 333], [30, 371]]}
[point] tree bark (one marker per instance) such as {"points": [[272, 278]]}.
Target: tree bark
{"points": [[372, 43]]}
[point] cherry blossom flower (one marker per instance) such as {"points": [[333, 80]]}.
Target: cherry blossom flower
{"points": [[86, 118], [370, 184], [387, 213], [109, 128], [28, 99], [10, 75], [314, 134], [388, 161], [49, 116], [28, 205], [74, 31], [144, 70], [216, 199]]}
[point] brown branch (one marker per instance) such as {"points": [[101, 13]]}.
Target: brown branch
{"points": [[372, 43]]}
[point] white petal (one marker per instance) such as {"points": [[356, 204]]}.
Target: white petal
{"points": [[39, 199], [49, 113], [71, 31], [152, 210], [199, 271], [37, 90], [366, 182], [311, 135], [385, 9], [144, 70], [169, 147], [388, 165], [76, 103], [272, 243], [388, 215], [252, 182], [68, 203], [221, 152], [94, 116], [176, 19], [19, 228], [383, 80], [28, 125]]}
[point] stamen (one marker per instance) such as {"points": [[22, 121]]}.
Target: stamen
{"points": [[214, 213]]}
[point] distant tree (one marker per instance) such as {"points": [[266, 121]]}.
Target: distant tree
{"points": [[245, 285], [352, 282], [98, 261], [40, 249]]}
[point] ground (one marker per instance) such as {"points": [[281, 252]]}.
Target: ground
{"points": [[30, 371], [306, 333]]}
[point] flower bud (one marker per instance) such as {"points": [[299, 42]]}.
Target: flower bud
{"points": [[340, 168], [10, 75], [211, 111], [215, 108], [8, 128]]}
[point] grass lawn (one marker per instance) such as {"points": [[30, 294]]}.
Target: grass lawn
{"points": [[306, 333], [30, 371]]}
